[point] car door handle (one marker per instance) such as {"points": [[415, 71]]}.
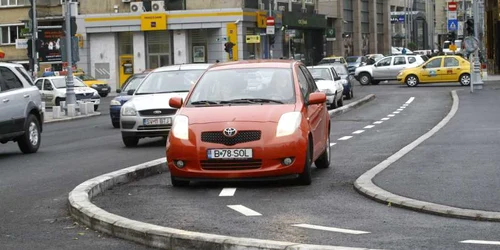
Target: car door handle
{"points": [[26, 96], [5, 100]]}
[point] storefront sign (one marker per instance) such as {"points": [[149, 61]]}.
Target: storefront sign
{"points": [[153, 21], [261, 19], [252, 38], [330, 34], [50, 45], [21, 43], [304, 20]]}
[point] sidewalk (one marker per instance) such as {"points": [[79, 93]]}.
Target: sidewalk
{"points": [[48, 118], [460, 165]]}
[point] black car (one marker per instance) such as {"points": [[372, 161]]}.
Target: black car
{"points": [[346, 80]]}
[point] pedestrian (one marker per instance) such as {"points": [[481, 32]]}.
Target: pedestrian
{"points": [[403, 51]]}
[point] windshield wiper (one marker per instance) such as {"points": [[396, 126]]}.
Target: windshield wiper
{"points": [[252, 100], [175, 91], [205, 102]]}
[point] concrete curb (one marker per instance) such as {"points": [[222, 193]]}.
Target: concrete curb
{"points": [[351, 106], [81, 208], [73, 118], [365, 185]]}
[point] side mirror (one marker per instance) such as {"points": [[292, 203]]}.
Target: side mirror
{"points": [[337, 78], [317, 98], [176, 102], [130, 91], [118, 91]]}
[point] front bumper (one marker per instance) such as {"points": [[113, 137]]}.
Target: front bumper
{"points": [[102, 89], [268, 154], [133, 126]]}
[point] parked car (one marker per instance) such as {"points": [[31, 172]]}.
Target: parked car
{"points": [[102, 88], [53, 90], [21, 113], [346, 80], [124, 95], [437, 70], [147, 113], [328, 81], [371, 59], [386, 68], [333, 59], [355, 61], [224, 130]]}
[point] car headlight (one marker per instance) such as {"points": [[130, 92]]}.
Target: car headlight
{"points": [[180, 127], [129, 111], [288, 123], [115, 103], [94, 85]]}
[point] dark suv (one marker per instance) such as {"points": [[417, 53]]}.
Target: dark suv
{"points": [[21, 114]]}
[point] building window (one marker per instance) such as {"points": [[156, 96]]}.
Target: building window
{"points": [[9, 34], [12, 3], [125, 40]]}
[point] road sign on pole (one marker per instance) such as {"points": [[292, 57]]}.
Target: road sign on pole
{"points": [[452, 6], [452, 25]]}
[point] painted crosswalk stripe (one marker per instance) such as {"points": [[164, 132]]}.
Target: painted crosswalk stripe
{"points": [[400, 109], [345, 138], [385, 119], [396, 112], [391, 115], [378, 122], [244, 210], [332, 144], [331, 229], [358, 132], [482, 242], [227, 192], [410, 100], [369, 126]]}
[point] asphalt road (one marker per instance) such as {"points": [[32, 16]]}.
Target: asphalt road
{"points": [[331, 200]]}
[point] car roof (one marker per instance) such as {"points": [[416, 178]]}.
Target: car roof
{"points": [[6, 64], [249, 64], [191, 66], [323, 66]]}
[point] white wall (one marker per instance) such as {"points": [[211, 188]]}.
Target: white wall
{"points": [[104, 49], [181, 47], [139, 43]]}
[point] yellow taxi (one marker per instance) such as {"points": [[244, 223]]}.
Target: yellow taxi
{"points": [[449, 68], [333, 59], [102, 88]]}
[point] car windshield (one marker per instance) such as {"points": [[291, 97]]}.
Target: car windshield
{"points": [[320, 73], [86, 78], [168, 81], [133, 83], [60, 83], [352, 59], [341, 70], [244, 86]]}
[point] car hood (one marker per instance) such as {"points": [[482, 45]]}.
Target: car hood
{"points": [[123, 98], [96, 82], [325, 84], [241, 113], [154, 101], [79, 90], [355, 64]]}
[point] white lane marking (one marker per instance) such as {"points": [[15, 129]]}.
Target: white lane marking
{"points": [[401, 109], [385, 119], [244, 210], [410, 100], [331, 229], [378, 122], [332, 144], [391, 115], [369, 126], [227, 192], [358, 132], [483, 242], [345, 138], [396, 112]]}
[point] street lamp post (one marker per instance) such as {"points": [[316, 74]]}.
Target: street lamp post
{"points": [[70, 86], [477, 82]]}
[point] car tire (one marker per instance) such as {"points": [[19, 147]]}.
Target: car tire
{"points": [[324, 159], [305, 178], [96, 107], [116, 124], [58, 102], [340, 102], [178, 183], [365, 78], [333, 105], [375, 82], [411, 81], [464, 79], [130, 141], [348, 96], [103, 95], [30, 141]]}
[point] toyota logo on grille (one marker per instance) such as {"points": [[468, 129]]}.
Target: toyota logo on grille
{"points": [[229, 132], [157, 112]]}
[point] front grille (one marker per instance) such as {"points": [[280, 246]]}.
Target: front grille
{"points": [[83, 96], [241, 137], [158, 112], [230, 164], [155, 127], [128, 124]]}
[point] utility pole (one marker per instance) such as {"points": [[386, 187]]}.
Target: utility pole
{"points": [[477, 82], [34, 38], [70, 86]]}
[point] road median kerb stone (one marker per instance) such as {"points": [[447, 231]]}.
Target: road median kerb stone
{"points": [[73, 118], [351, 106], [365, 186], [82, 209]]}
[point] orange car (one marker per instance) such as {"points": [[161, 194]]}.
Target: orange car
{"points": [[257, 120]]}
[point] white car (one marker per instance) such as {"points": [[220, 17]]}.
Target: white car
{"points": [[386, 68], [53, 91], [147, 113], [329, 82]]}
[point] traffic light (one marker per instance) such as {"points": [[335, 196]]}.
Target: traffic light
{"points": [[73, 27], [271, 40], [228, 47], [469, 27], [452, 36]]}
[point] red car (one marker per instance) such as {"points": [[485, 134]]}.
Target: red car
{"points": [[257, 120]]}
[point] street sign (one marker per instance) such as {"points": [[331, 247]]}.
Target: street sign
{"points": [[270, 30], [252, 39], [270, 21], [21, 43], [452, 6], [452, 25], [452, 15]]}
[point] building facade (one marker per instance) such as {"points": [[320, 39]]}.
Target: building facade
{"points": [[413, 22]]}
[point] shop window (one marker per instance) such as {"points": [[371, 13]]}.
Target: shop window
{"points": [[125, 39], [158, 45]]}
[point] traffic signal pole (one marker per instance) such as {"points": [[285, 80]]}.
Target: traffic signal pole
{"points": [[34, 38], [70, 86], [477, 82]]}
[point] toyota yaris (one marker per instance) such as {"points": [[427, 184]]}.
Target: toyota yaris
{"points": [[226, 129]]}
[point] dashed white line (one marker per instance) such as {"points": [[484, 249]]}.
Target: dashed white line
{"points": [[227, 192], [331, 229], [400, 109], [391, 115], [483, 242], [378, 122], [332, 144], [410, 100], [244, 210], [369, 126], [396, 112], [385, 119], [358, 132], [345, 138]]}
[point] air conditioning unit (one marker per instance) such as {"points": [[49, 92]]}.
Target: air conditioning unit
{"points": [[136, 7], [158, 6]]}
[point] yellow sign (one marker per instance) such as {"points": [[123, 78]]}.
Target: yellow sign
{"points": [[232, 36], [453, 47], [80, 40], [153, 21], [261, 19], [253, 38]]}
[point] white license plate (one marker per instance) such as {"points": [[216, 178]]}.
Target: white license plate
{"points": [[158, 121], [105, 89], [241, 153]]}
